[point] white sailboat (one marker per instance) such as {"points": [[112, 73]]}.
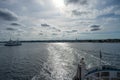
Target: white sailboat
{"points": [[13, 43]]}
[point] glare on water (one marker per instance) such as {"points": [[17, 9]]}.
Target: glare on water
{"points": [[52, 61]]}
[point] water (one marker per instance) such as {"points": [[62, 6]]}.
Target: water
{"points": [[53, 61]]}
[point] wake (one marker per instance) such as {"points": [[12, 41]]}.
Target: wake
{"points": [[62, 62]]}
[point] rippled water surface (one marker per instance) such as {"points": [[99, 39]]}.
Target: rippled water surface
{"points": [[53, 61]]}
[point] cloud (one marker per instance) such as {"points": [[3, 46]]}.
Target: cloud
{"points": [[45, 25], [72, 31], [56, 29], [81, 2], [79, 13], [92, 9], [45, 19], [54, 34], [117, 12], [40, 34], [95, 28], [15, 24], [8, 15], [11, 29]]}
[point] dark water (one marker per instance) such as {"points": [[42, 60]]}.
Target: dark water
{"points": [[53, 61]]}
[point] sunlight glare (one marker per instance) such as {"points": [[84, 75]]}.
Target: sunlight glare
{"points": [[59, 3], [62, 44]]}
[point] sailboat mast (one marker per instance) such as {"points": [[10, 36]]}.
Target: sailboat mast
{"points": [[100, 60]]}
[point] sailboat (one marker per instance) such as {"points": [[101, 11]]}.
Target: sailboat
{"points": [[13, 43]]}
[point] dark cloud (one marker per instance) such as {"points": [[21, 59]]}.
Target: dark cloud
{"points": [[81, 2], [11, 29], [58, 30], [15, 24], [54, 28], [95, 28], [72, 31], [109, 15], [45, 25], [78, 13], [8, 15], [68, 31]]}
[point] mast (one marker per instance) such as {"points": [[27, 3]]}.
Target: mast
{"points": [[100, 60]]}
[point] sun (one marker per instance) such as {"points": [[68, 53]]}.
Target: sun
{"points": [[59, 3]]}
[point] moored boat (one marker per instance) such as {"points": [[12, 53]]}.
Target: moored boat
{"points": [[13, 43]]}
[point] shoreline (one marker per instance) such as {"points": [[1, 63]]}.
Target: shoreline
{"points": [[73, 41]]}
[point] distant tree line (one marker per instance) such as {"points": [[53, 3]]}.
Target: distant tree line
{"points": [[91, 40]]}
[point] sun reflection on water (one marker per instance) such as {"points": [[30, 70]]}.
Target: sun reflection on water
{"points": [[60, 58], [61, 44]]}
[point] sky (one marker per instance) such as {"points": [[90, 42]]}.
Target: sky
{"points": [[59, 19]]}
